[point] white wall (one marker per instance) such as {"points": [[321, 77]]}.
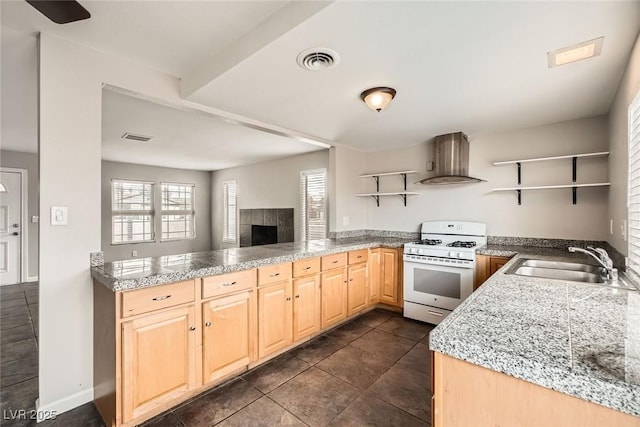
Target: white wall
{"points": [[347, 212], [618, 139], [158, 175], [274, 184], [548, 213], [71, 79]]}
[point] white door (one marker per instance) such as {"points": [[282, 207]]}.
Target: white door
{"points": [[10, 229]]}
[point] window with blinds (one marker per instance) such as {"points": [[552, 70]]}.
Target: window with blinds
{"points": [[313, 196], [634, 188], [177, 211], [131, 212], [230, 212]]}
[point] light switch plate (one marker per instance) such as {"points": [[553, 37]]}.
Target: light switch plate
{"points": [[59, 215], [35, 219]]}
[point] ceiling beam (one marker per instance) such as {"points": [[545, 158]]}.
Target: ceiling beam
{"points": [[279, 23]]}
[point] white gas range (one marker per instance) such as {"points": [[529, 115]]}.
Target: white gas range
{"points": [[439, 269]]}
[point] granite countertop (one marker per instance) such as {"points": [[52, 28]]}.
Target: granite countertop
{"points": [[145, 272], [579, 339]]}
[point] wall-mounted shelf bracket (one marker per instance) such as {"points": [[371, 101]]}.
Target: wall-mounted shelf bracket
{"points": [[404, 179], [574, 163], [377, 180], [519, 196], [519, 173], [575, 194], [377, 199]]}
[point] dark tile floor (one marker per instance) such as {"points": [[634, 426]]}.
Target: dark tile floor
{"points": [[374, 370]]}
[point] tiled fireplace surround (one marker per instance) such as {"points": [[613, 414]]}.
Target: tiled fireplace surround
{"points": [[281, 218]]}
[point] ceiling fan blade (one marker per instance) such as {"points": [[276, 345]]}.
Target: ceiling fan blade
{"points": [[61, 11]]}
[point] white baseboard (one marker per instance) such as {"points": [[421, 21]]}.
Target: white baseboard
{"points": [[65, 404], [32, 279]]}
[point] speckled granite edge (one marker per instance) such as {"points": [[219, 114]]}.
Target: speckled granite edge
{"points": [[617, 396], [164, 278], [409, 235], [96, 259]]}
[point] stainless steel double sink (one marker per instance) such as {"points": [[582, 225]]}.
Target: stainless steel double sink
{"points": [[559, 270]]}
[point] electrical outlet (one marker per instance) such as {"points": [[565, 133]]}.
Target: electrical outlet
{"points": [[59, 215], [611, 227], [134, 253], [623, 230], [345, 220]]}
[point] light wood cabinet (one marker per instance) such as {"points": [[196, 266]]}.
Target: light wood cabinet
{"points": [[306, 306], [486, 266], [334, 296], [356, 288], [390, 276], [373, 282], [275, 318], [228, 337], [158, 360]]}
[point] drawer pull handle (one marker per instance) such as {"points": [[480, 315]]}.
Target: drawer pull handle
{"points": [[359, 256], [435, 313], [297, 296], [193, 328], [351, 280], [275, 274], [307, 268], [288, 298], [162, 298], [334, 262], [207, 324], [229, 284]]}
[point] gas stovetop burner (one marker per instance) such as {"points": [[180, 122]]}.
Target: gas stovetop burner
{"points": [[428, 242], [461, 244]]}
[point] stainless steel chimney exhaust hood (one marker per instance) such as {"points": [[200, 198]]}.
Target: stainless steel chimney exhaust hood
{"points": [[452, 160]]}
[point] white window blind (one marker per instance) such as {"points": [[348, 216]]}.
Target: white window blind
{"points": [[634, 187], [178, 211], [313, 195], [131, 212], [230, 212]]}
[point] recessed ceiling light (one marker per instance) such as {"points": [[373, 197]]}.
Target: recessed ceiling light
{"points": [[574, 53], [136, 137]]}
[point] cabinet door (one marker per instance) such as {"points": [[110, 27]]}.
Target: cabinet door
{"points": [[356, 288], [482, 273], [496, 264], [275, 318], [158, 360], [306, 306], [228, 334], [374, 276], [334, 296], [389, 281]]}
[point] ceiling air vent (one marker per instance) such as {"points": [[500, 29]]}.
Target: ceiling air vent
{"points": [[318, 58], [136, 137]]}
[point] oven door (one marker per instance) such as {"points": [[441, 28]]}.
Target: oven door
{"points": [[437, 285]]}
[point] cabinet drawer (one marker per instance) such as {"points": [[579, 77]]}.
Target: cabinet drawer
{"points": [[274, 273], [306, 266], [334, 261], [226, 283], [157, 298], [358, 256]]}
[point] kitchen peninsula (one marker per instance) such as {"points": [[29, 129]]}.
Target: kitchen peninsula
{"points": [[168, 328]]}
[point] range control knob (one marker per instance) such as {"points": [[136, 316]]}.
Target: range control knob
{"points": [[460, 255], [452, 254]]}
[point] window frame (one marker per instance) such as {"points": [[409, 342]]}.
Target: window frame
{"points": [[633, 230], [304, 221], [191, 212], [225, 213], [151, 212]]}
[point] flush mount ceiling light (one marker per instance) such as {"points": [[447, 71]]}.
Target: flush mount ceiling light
{"points": [[378, 98], [574, 53]]}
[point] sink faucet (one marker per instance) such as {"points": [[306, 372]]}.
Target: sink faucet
{"points": [[602, 257]]}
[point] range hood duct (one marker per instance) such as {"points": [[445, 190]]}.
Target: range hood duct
{"points": [[452, 160]]}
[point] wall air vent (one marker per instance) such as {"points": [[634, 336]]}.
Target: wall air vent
{"points": [[136, 137], [318, 59]]}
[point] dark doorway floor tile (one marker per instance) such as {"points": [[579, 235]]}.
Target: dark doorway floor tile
{"points": [[355, 366], [417, 359], [215, 406], [18, 350], [19, 396], [275, 373], [83, 416], [10, 322], [317, 349], [19, 370], [405, 389], [19, 333], [375, 317], [368, 410], [315, 396], [262, 413]]}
